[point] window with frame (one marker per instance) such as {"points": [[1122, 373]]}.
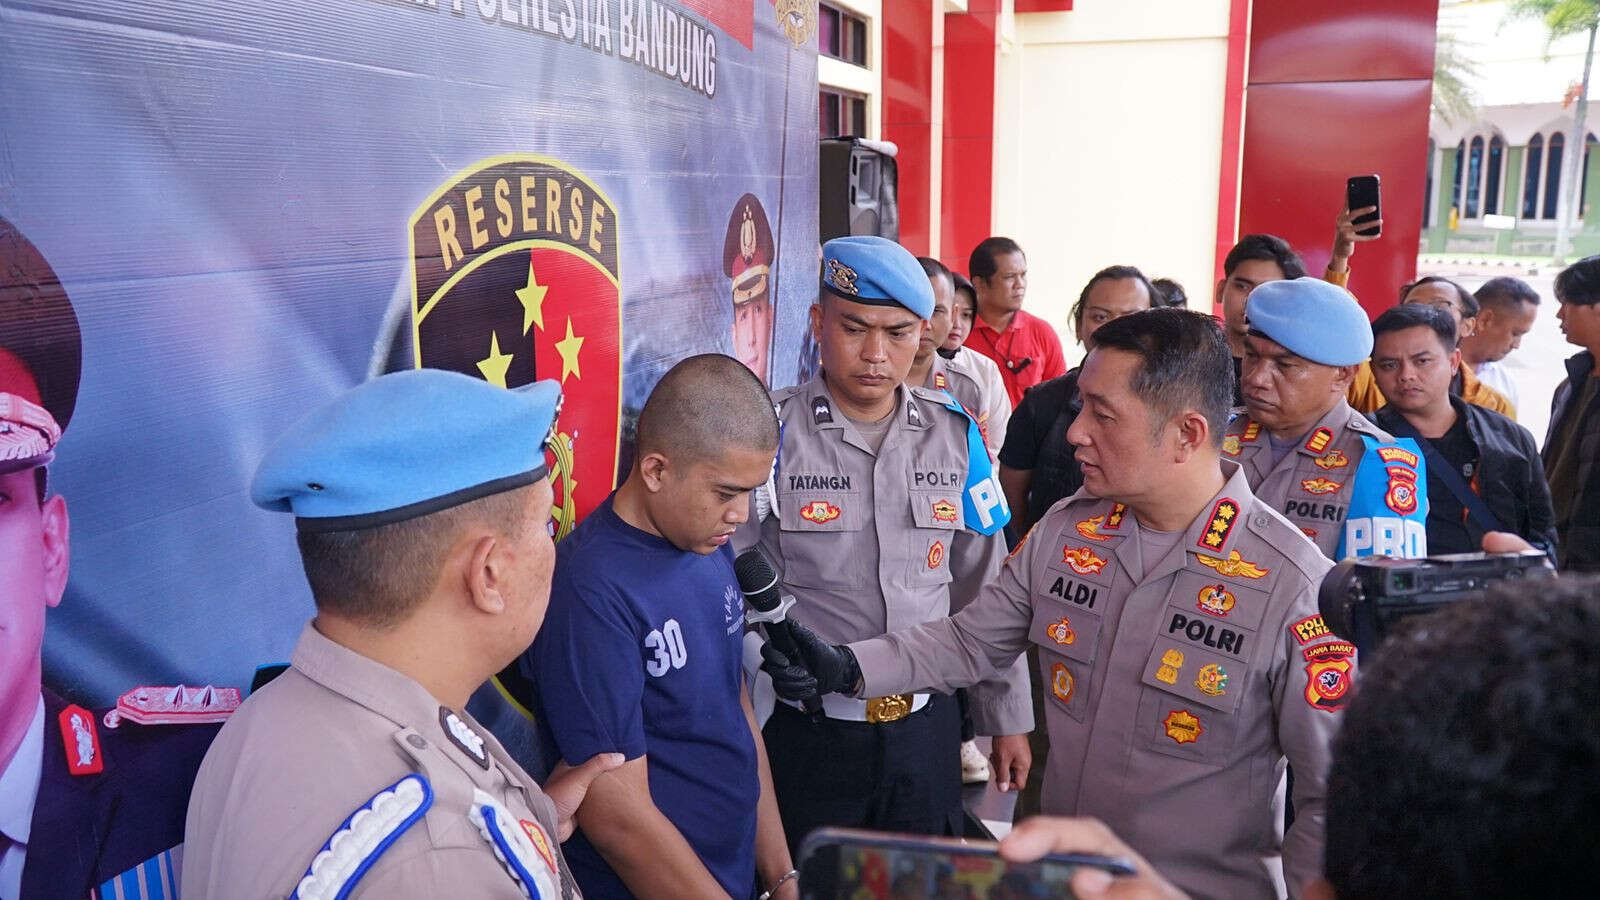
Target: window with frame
{"points": [[840, 113], [1474, 171], [1530, 178], [1491, 188], [1552, 174], [1427, 189], [841, 34], [1455, 191]]}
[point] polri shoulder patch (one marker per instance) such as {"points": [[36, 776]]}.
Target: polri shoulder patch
{"points": [[363, 837]]}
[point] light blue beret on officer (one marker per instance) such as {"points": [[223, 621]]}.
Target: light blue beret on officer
{"points": [[876, 271], [406, 445], [1311, 318]]}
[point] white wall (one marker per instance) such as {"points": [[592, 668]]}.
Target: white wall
{"points": [[1108, 144]]}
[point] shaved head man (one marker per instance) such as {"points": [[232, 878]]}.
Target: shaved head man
{"points": [[641, 654]]}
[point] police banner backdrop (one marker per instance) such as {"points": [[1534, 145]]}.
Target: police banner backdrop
{"points": [[219, 216]]}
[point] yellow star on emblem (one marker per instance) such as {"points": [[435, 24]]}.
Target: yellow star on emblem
{"points": [[495, 365], [532, 297], [568, 347]]}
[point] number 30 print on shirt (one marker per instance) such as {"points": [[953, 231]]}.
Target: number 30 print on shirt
{"points": [[667, 646]]}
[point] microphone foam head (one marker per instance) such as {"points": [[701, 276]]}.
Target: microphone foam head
{"points": [[757, 580]]}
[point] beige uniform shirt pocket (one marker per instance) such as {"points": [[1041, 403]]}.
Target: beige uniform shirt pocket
{"points": [[828, 525], [1198, 666], [1068, 637], [1173, 720], [937, 518]]}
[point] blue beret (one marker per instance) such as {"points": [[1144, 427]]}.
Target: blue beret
{"points": [[405, 445], [1311, 318], [876, 271]]}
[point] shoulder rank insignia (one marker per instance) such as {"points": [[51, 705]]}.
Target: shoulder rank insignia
{"points": [[1114, 518], [1319, 440], [1251, 432], [81, 741], [1231, 445], [360, 839], [1235, 566], [462, 735], [1223, 515], [822, 411], [176, 705], [939, 381], [522, 847]]}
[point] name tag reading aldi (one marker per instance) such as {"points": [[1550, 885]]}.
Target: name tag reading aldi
{"points": [[1388, 512]]}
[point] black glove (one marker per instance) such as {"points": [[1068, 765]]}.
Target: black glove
{"points": [[817, 667]]}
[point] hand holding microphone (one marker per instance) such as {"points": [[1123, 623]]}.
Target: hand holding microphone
{"points": [[810, 666], [802, 665]]}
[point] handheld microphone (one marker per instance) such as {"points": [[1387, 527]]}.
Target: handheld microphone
{"points": [[758, 581]]}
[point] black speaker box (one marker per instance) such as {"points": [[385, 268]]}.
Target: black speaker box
{"points": [[859, 190]]}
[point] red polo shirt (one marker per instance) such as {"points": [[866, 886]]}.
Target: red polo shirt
{"points": [[1027, 352]]}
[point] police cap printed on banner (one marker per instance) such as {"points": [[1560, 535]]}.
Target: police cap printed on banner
{"points": [[41, 354], [392, 449], [876, 271], [1311, 318]]}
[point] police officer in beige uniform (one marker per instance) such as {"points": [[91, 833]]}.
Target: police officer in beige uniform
{"points": [[1177, 625], [883, 514], [423, 531], [1299, 441]]}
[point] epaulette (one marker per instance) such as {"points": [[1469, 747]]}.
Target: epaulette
{"points": [[521, 846], [174, 705], [363, 837]]}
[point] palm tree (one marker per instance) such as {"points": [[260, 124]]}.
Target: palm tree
{"points": [[1563, 18], [1453, 76]]}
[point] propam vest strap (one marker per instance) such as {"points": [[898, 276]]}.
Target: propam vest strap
{"points": [[983, 504], [1388, 512]]}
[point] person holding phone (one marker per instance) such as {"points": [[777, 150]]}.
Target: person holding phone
{"points": [[1175, 616]]}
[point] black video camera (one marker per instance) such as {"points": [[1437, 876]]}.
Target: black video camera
{"points": [[1362, 599]]}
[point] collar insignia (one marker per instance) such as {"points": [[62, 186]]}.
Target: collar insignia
{"points": [[1223, 517], [462, 735], [822, 411], [81, 741], [1320, 439]]}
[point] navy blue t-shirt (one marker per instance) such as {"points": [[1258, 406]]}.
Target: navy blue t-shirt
{"points": [[640, 654]]}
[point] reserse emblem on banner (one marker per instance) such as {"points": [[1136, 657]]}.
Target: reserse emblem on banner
{"points": [[515, 279]]}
